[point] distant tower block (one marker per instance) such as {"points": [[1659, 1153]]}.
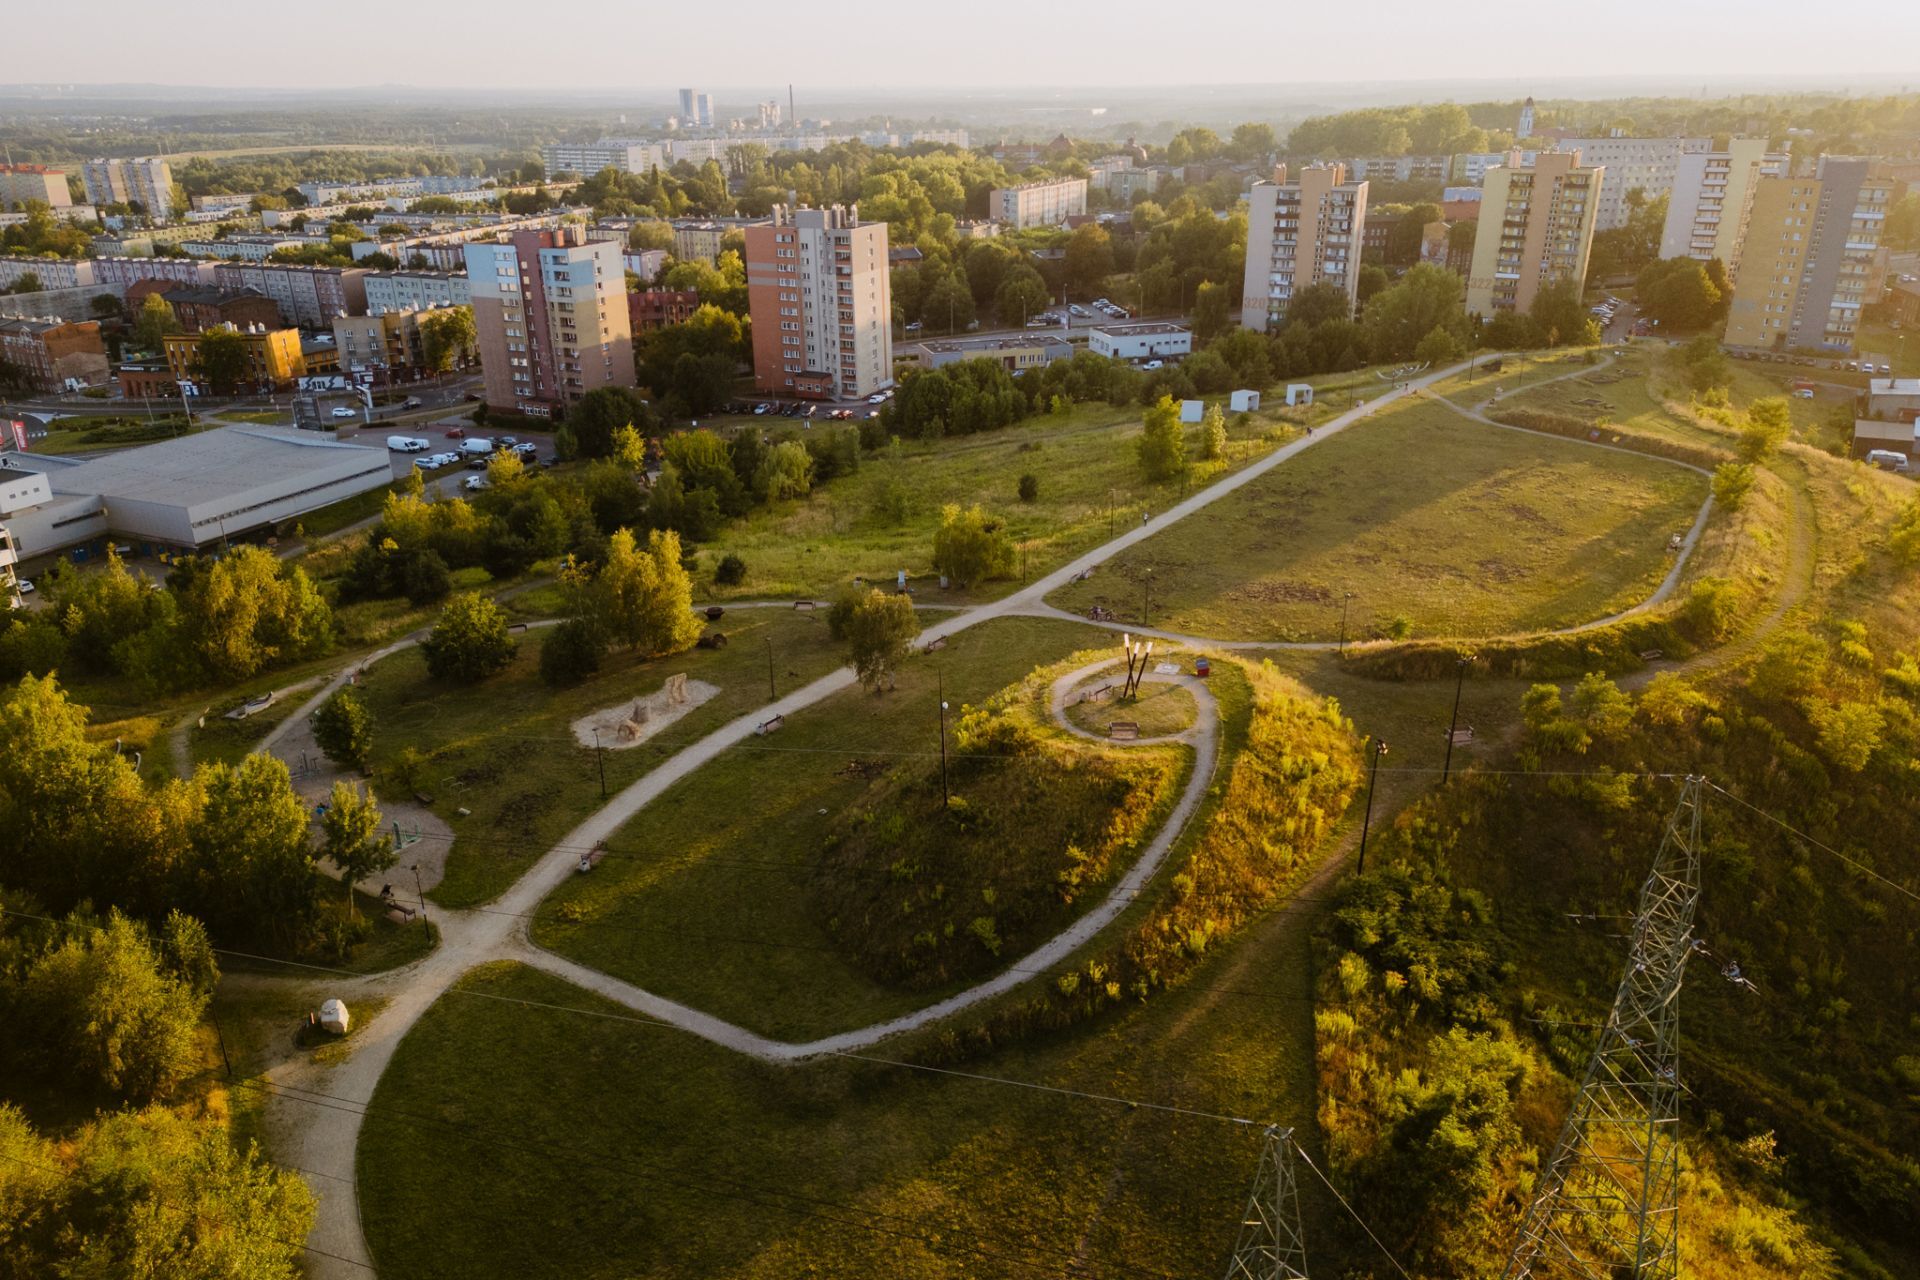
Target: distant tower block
{"points": [[1526, 120]]}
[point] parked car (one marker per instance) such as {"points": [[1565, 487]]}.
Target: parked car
{"points": [[507, 442], [1154, 364], [479, 464], [456, 433], [342, 411], [760, 409], [526, 448], [1805, 393], [474, 483], [429, 463], [876, 398], [26, 587], [412, 402], [406, 444]]}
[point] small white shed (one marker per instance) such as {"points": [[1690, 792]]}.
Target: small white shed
{"points": [[1299, 393], [1192, 410], [1244, 402]]}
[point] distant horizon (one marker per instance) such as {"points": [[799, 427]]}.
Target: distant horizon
{"points": [[494, 47]]}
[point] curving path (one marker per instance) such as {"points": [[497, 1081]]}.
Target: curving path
{"points": [[323, 1140]]}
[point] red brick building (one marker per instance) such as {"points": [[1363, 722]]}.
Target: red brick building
{"points": [[198, 310], [650, 309], [48, 352]]}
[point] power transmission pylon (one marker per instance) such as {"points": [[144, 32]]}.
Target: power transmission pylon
{"points": [[1605, 1206], [1271, 1246]]}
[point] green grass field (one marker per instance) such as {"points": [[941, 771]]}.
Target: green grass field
{"points": [[1090, 485], [1428, 520], [704, 897], [503, 748], [1159, 709]]}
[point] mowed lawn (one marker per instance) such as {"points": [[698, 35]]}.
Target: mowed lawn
{"points": [[704, 897], [1090, 485], [503, 748], [1436, 525]]}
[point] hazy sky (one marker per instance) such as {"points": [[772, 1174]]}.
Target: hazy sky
{"points": [[755, 45]]}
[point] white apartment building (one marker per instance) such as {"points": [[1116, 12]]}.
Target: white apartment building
{"points": [[822, 304], [147, 182], [1649, 165], [1299, 233], [1038, 204], [628, 155], [1713, 198], [53, 273], [414, 290]]}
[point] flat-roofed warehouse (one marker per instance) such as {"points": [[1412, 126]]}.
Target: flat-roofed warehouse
{"points": [[186, 493]]}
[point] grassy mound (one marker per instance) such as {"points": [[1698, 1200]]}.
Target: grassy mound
{"points": [[1159, 710], [920, 896]]}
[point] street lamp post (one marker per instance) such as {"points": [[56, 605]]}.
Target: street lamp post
{"points": [[1366, 823], [1459, 679], [1146, 598], [946, 796], [420, 893], [773, 693], [1346, 598], [600, 757]]}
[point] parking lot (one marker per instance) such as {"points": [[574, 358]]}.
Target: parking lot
{"points": [[449, 435]]}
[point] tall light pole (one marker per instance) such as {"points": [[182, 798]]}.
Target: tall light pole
{"points": [[1460, 677], [1346, 598], [601, 758], [1146, 598], [1366, 824], [420, 893], [773, 693], [946, 796]]}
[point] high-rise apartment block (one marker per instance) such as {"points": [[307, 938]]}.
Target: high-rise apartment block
{"points": [[1810, 257], [550, 313], [1712, 197], [822, 304], [146, 182], [1646, 165], [1536, 229], [1038, 204], [20, 183], [1301, 233]]}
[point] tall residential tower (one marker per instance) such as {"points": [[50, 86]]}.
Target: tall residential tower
{"points": [[822, 304], [1301, 233], [550, 315], [1810, 256], [1536, 229]]}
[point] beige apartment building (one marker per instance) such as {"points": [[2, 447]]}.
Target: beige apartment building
{"points": [[1038, 204], [1536, 229], [147, 182], [20, 183], [1811, 257], [1712, 200], [822, 304], [1301, 233], [550, 317]]}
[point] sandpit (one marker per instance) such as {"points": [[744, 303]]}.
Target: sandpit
{"points": [[628, 724]]}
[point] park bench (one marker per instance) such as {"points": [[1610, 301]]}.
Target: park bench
{"points": [[1462, 736], [803, 606], [1124, 730], [517, 628], [1652, 655], [1099, 693], [714, 613], [935, 645], [770, 726], [591, 858]]}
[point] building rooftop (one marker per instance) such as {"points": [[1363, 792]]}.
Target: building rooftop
{"points": [[1893, 386], [1140, 329], [992, 344], [197, 469]]}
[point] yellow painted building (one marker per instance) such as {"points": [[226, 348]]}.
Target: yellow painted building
{"points": [[1811, 259], [274, 359], [1536, 229]]}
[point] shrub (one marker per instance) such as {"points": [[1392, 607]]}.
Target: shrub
{"points": [[571, 653], [1161, 447], [1732, 482], [1029, 487], [731, 571], [879, 629], [971, 547]]}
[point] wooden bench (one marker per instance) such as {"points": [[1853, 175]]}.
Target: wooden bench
{"points": [[770, 726], [1652, 655], [1462, 737], [803, 606], [401, 915], [935, 646], [1124, 730], [1098, 694], [591, 858]]}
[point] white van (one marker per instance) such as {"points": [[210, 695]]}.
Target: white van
{"points": [[406, 444], [1887, 459], [477, 447]]}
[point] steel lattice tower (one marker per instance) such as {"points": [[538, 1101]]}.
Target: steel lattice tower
{"points": [[1605, 1206], [1271, 1246]]}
